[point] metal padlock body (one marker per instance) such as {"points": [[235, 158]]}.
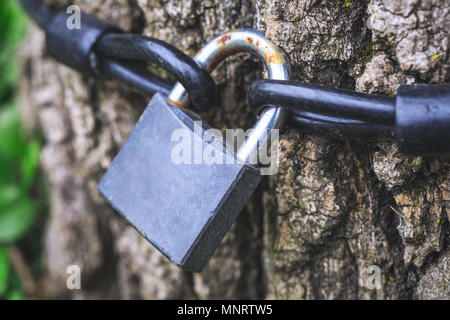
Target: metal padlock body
{"points": [[182, 209], [186, 209]]}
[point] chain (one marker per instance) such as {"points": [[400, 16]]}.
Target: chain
{"points": [[418, 118]]}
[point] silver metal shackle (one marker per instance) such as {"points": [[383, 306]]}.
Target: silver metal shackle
{"points": [[276, 64]]}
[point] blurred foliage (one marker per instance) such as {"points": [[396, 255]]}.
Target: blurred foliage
{"points": [[19, 155], [18, 164], [12, 30]]}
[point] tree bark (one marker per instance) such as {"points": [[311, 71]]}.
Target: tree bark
{"points": [[336, 209]]}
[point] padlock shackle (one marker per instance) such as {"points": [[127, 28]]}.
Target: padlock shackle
{"points": [[276, 63]]}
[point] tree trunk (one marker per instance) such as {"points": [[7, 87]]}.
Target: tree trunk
{"points": [[337, 211]]}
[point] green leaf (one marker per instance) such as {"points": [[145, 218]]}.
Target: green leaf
{"points": [[9, 194], [12, 141], [15, 294], [15, 220], [30, 162], [12, 22], [4, 271], [10, 74], [7, 176], [12, 30]]}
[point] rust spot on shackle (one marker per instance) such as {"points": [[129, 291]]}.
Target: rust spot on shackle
{"points": [[224, 39], [175, 103], [273, 57]]}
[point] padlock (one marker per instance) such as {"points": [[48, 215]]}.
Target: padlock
{"points": [[185, 209]]}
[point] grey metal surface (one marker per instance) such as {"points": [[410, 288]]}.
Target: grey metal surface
{"points": [[186, 209], [183, 209]]}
